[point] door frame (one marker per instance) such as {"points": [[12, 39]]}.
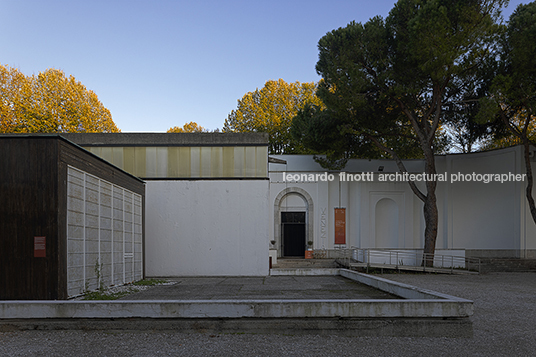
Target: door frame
{"points": [[309, 216], [284, 241]]}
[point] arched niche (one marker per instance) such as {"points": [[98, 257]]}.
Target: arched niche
{"points": [[288, 200], [386, 223]]}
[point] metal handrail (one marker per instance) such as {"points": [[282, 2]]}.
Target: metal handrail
{"points": [[343, 256], [396, 257]]}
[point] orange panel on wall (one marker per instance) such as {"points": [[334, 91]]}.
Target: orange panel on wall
{"points": [[340, 225]]}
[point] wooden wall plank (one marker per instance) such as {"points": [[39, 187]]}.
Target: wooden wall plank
{"points": [[33, 197], [28, 186]]}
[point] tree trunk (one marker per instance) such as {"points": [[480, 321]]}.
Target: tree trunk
{"points": [[430, 232], [528, 169], [431, 215]]}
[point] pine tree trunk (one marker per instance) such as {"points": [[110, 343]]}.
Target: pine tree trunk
{"points": [[430, 231], [528, 168], [431, 215]]}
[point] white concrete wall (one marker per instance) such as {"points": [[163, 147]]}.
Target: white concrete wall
{"points": [[480, 215], [205, 227], [360, 200], [104, 234], [491, 217]]}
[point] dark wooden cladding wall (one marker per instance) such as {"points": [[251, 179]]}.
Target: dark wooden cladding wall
{"points": [[33, 203], [29, 208]]}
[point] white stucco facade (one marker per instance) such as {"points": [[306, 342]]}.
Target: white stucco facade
{"points": [[207, 227], [483, 219], [214, 206], [206, 199]]}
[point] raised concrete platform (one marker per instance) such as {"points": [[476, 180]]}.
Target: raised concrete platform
{"points": [[417, 312]]}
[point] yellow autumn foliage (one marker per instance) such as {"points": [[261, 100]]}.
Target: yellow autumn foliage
{"points": [[13, 85], [271, 110], [191, 127], [49, 102]]}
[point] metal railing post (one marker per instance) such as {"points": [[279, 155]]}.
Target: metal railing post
{"points": [[425, 261], [368, 260]]}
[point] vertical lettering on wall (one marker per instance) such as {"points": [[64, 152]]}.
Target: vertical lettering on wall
{"points": [[323, 230]]}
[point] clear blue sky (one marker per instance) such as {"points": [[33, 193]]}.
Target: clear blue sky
{"points": [[156, 64]]}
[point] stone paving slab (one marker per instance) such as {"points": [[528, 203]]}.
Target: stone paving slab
{"points": [[269, 287]]}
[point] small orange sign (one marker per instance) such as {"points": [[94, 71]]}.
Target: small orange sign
{"points": [[40, 247], [340, 225]]}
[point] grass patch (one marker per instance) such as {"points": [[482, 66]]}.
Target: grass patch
{"points": [[109, 294]]}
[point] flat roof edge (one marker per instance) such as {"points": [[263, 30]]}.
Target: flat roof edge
{"points": [[168, 139], [69, 142]]}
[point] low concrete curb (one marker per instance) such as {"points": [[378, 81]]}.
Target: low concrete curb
{"points": [[415, 302], [234, 309], [416, 308], [403, 290]]}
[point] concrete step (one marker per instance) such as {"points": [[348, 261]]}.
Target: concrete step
{"points": [[288, 263]]}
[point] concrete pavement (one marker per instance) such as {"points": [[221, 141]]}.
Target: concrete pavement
{"points": [[503, 325], [265, 287]]}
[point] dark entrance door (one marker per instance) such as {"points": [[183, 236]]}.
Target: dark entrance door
{"points": [[293, 233]]}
